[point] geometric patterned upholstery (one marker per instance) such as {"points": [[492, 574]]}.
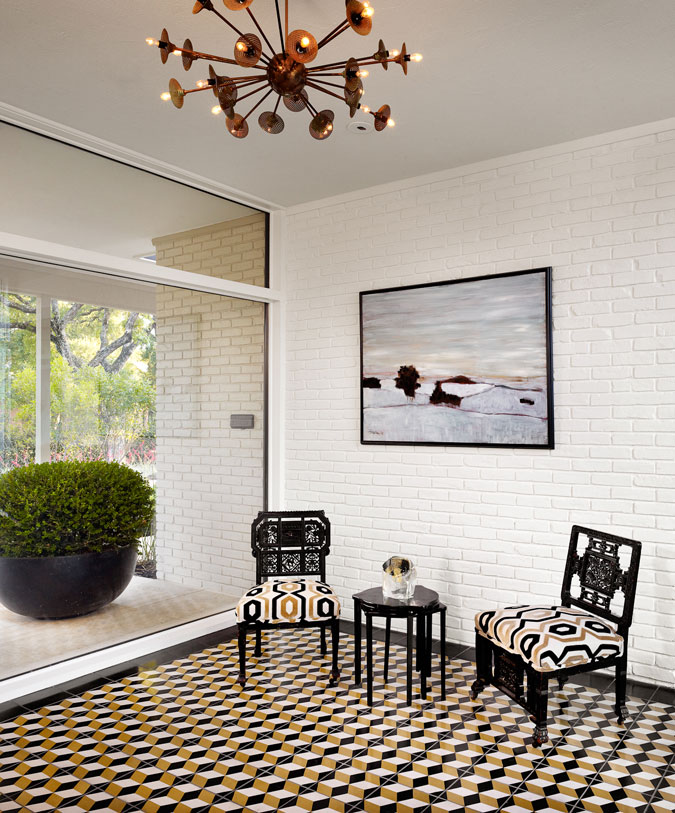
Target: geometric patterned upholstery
{"points": [[550, 638], [288, 601]]}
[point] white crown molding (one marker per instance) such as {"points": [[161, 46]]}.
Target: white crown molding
{"points": [[99, 146], [500, 162]]}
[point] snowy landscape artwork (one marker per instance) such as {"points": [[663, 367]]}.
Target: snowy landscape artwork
{"points": [[466, 362]]}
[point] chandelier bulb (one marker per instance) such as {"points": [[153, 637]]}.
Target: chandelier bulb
{"points": [[201, 83], [416, 57], [368, 10], [365, 108], [304, 42], [362, 73], [394, 53], [151, 41], [216, 110], [165, 96], [391, 123]]}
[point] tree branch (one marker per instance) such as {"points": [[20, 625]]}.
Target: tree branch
{"points": [[20, 303], [13, 325], [58, 333], [125, 342]]}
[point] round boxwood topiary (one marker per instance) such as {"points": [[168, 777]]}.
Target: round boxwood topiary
{"points": [[61, 509]]}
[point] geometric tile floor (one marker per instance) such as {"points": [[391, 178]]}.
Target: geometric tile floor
{"points": [[184, 737]]}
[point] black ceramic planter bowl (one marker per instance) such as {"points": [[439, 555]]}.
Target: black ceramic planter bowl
{"points": [[65, 586]]}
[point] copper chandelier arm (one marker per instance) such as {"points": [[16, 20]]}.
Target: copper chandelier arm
{"points": [[323, 90], [250, 93], [258, 103], [214, 58], [333, 35], [309, 107], [331, 32], [363, 60], [286, 28], [262, 34], [250, 82], [196, 90], [226, 21], [237, 79], [276, 106], [330, 84], [281, 31]]}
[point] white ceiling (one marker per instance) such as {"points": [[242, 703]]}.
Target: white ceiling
{"points": [[498, 77], [59, 193]]}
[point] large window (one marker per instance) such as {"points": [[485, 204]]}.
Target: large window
{"points": [[98, 368], [102, 385], [17, 382]]}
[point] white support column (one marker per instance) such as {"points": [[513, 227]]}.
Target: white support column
{"points": [[276, 363], [42, 379]]}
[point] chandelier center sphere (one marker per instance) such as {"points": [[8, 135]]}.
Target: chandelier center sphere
{"points": [[286, 76]]}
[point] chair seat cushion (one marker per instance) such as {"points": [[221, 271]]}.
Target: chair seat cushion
{"points": [[551, 638], [291, 601]]}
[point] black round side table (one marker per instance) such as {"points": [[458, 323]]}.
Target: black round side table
{"points": [[422, 607]]}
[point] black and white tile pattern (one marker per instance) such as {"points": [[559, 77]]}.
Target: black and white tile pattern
{"points": [[185, 737]]}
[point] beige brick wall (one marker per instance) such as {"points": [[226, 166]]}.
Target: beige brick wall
{"points": [[210, 364], [233, 250]]}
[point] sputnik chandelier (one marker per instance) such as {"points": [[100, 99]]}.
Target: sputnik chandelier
{"points": [[285, 72]]}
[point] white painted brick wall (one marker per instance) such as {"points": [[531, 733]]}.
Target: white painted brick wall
{"points": [[210, 364], [489, 527]]}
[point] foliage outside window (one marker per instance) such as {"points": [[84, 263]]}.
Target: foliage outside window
{"points": [[102, 382]]}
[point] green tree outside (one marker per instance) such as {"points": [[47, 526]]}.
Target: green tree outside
{"points": [[102, 368]]}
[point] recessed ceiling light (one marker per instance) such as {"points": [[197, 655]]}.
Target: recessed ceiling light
{"points": [[360, 127]]}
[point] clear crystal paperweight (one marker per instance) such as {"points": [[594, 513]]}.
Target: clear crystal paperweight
{"points": [[398, 578]]}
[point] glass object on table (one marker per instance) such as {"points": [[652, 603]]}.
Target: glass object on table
{"points": [[398, 578]]}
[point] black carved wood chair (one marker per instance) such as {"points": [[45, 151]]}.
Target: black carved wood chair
{"points": [[290, 549], [586, 631]]}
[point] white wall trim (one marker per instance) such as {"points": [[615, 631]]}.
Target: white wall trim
{"points": [[499, 162], [276, 333], [78, 138], [78, 259], [14, 688]]}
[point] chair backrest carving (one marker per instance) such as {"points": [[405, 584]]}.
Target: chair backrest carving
{"points": [[290, 543], [601, 575]]}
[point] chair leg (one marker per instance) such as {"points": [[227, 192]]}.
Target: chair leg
{"points": [[483, 670], [323, 642], [387, 641], [620, 690], [335, 639], [537, 698], [242, 655], [562, 680], [258, 643]]}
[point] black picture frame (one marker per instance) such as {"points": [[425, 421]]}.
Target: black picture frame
{"points": [[486, 429]]}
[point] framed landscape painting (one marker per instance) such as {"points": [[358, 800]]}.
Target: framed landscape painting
{"points": [[460, 363]]}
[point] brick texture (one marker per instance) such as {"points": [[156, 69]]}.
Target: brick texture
{"points": [[489, 527], [210, 364]]}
